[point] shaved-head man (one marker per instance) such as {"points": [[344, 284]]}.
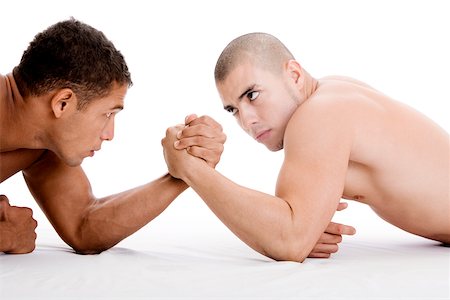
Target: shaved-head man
{"points": [[341, 139]]}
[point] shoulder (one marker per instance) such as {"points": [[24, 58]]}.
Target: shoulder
{"points": [[339, 101], [330, 114]]}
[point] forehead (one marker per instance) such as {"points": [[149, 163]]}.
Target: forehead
{"points": [[115, 98], [241, 78]]}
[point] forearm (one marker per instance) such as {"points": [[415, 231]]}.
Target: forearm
{"points": [[111, 219], [262, 221]]}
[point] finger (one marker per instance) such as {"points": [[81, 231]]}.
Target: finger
{"points": [[319, 255], [325, 248], [4, 204], [4, 199], [198, 141], [205, 120], [327, 238], [212, 157], [342, 206], [34, 224], [200, 129], [190, 118], [21, 212], [173, 131], [336, 228], [25, 249]]}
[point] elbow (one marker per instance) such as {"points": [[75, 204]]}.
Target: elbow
{"points": [[86, 247], [87, 242], [296, 257], [294, 251], [288, 256], [87, 250], [86, 239]]}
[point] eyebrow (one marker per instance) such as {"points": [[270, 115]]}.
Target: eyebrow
{"points": [[247, 90], [118, 107]]}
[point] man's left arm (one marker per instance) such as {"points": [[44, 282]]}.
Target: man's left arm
{"points": [[91, 225]]}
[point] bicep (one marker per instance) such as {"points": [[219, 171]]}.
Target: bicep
{"points": [[313, 174], [63, 193]]}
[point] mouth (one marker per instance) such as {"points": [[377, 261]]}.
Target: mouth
{"points": [[92, 152], [262, 135]]}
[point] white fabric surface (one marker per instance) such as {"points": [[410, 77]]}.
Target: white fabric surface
{"points": [[178, 257]]}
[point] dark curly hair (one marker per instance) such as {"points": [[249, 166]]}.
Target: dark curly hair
{"points": [[71, 54]]}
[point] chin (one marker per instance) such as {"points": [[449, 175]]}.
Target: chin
{"points": [[276, 147], [73, 162]]}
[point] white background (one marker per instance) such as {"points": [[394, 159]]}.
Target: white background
{"points": [[171, 47]]}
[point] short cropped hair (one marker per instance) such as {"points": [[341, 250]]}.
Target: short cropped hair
{"points": [[261, 49], [71, 54]]}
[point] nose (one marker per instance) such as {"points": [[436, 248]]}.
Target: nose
{"points": [[108, 131], [247, 117]]}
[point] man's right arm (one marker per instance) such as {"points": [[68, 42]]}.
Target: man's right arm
{"points": [[287, 225]]}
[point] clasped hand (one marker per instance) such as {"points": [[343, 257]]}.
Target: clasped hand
{"points": [[199, 140]]}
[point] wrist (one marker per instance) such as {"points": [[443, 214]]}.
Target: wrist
{"points": [[195, 171], [180, 183]]}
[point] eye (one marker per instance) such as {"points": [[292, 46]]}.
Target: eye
{"points": [[232, 110], [252, 95]]}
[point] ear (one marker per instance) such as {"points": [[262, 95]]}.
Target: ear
{"points": [[294, 71], [63, 101]]}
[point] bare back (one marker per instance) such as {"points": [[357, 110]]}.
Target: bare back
{"points": [[399, 161]]}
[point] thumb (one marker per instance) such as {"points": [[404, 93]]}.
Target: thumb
{"points": [[342, 206], [4, 204]]}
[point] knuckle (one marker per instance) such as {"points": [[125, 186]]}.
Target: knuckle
{"points": [[203, 119], [31, 248], [200, 140], [34, 224], [28, 212], [193, 150], [215, 159], [219, 150], [218, 126], [182, 144]]}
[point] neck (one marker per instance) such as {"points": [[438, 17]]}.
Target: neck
{"points": [[310, 85], [20, 119]]}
